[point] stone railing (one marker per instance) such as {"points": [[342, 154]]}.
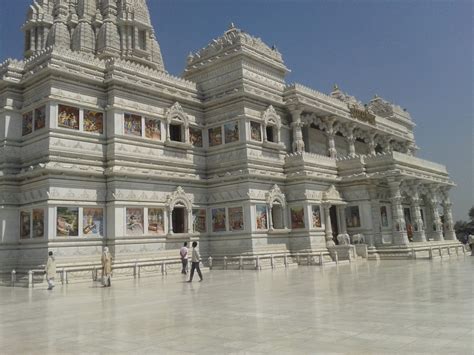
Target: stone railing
{"points": [[318, 95], [311, 158], [437, 251], [407, 159], [28, 278]]}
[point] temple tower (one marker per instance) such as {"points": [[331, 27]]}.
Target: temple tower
{"points": [[103, 28]]}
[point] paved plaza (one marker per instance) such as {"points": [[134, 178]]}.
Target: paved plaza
{"points": [[370, 307]]}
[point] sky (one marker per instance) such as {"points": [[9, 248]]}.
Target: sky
{"points": [[415, 53]]}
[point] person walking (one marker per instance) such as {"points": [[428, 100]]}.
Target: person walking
{"points": [[50, 270], [195, 259], [106, 267], [183, 253]]}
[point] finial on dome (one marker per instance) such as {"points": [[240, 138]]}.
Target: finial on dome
{"points": [[376, 96], [231, 26], [335, 87]]}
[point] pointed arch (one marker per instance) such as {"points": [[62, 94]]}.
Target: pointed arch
{"points": [[271, 125]]}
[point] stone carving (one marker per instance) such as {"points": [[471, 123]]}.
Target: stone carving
{"points": [[179, 197], [343, 239], [271, 116], [358, 239], [233, 37], [176, 112], [331, 194], [275, 195]]}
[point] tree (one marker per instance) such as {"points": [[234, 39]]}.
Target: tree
{"points": [[471, 214], [464, 228]]}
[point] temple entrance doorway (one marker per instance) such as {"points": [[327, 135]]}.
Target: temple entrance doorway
{"points": [[179, 219], [334, 224], [277, 216]]}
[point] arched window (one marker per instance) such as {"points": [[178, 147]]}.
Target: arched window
{"points": [[177, 123], [271, 126], [179, 212], [276, 203]]}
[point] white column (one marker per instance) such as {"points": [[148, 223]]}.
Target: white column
{"points": [[190, 220], [284, 215], [341, 211], [372, 144], [449, 232], [167, 131], [436, 227], [270, 217], [418, 228], [170, 221], [399, 234], [376, 237], [331, 143], [186, 134], [327, 225], [351, 141]]}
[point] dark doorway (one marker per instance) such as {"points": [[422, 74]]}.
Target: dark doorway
{"points": [[334, 225], [175, 132], [179, 220]]}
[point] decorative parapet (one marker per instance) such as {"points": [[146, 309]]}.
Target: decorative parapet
{"points": [[317, 95]]}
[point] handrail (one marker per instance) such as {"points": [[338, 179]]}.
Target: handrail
{"points": [[439, 250], [239, 260]]}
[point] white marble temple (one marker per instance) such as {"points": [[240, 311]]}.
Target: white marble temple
{"points": [[101, 146]]}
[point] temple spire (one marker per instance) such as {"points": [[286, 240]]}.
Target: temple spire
{"points": [[59, 35]]}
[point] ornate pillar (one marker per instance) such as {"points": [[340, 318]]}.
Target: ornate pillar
{"points": [[341, 211], [436, 227], [332, 143], [418, 227], [284, 216], [167, 131], [376, 238], [372, 144], [449, 233], [399, 234], [270, 217], [186, 133], [327, 225], [351, 141], [189, 221], [170, 221], [297, 124]]}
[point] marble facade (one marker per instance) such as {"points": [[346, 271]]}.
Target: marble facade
{"points": [[101, 146]]}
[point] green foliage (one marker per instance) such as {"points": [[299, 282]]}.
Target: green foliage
{"points": [[463, 227]]}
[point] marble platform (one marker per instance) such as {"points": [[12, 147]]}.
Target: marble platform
{"points": [[394, 306]]}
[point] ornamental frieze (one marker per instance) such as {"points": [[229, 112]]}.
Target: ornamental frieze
{"points": [[362, 115]]}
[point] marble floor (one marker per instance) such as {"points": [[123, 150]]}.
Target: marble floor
{"points": [[403, 307]]}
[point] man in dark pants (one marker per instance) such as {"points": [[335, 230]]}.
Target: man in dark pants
{"points": [[183, 253], [195, 259]]}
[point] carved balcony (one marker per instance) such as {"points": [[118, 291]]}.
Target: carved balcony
{"points": [[306, 166]]}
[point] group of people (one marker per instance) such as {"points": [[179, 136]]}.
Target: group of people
{"points": [[195, 260], [106, 261]]}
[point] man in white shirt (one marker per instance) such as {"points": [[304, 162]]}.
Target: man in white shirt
{"points": [[195, 259], [183, 253]]}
